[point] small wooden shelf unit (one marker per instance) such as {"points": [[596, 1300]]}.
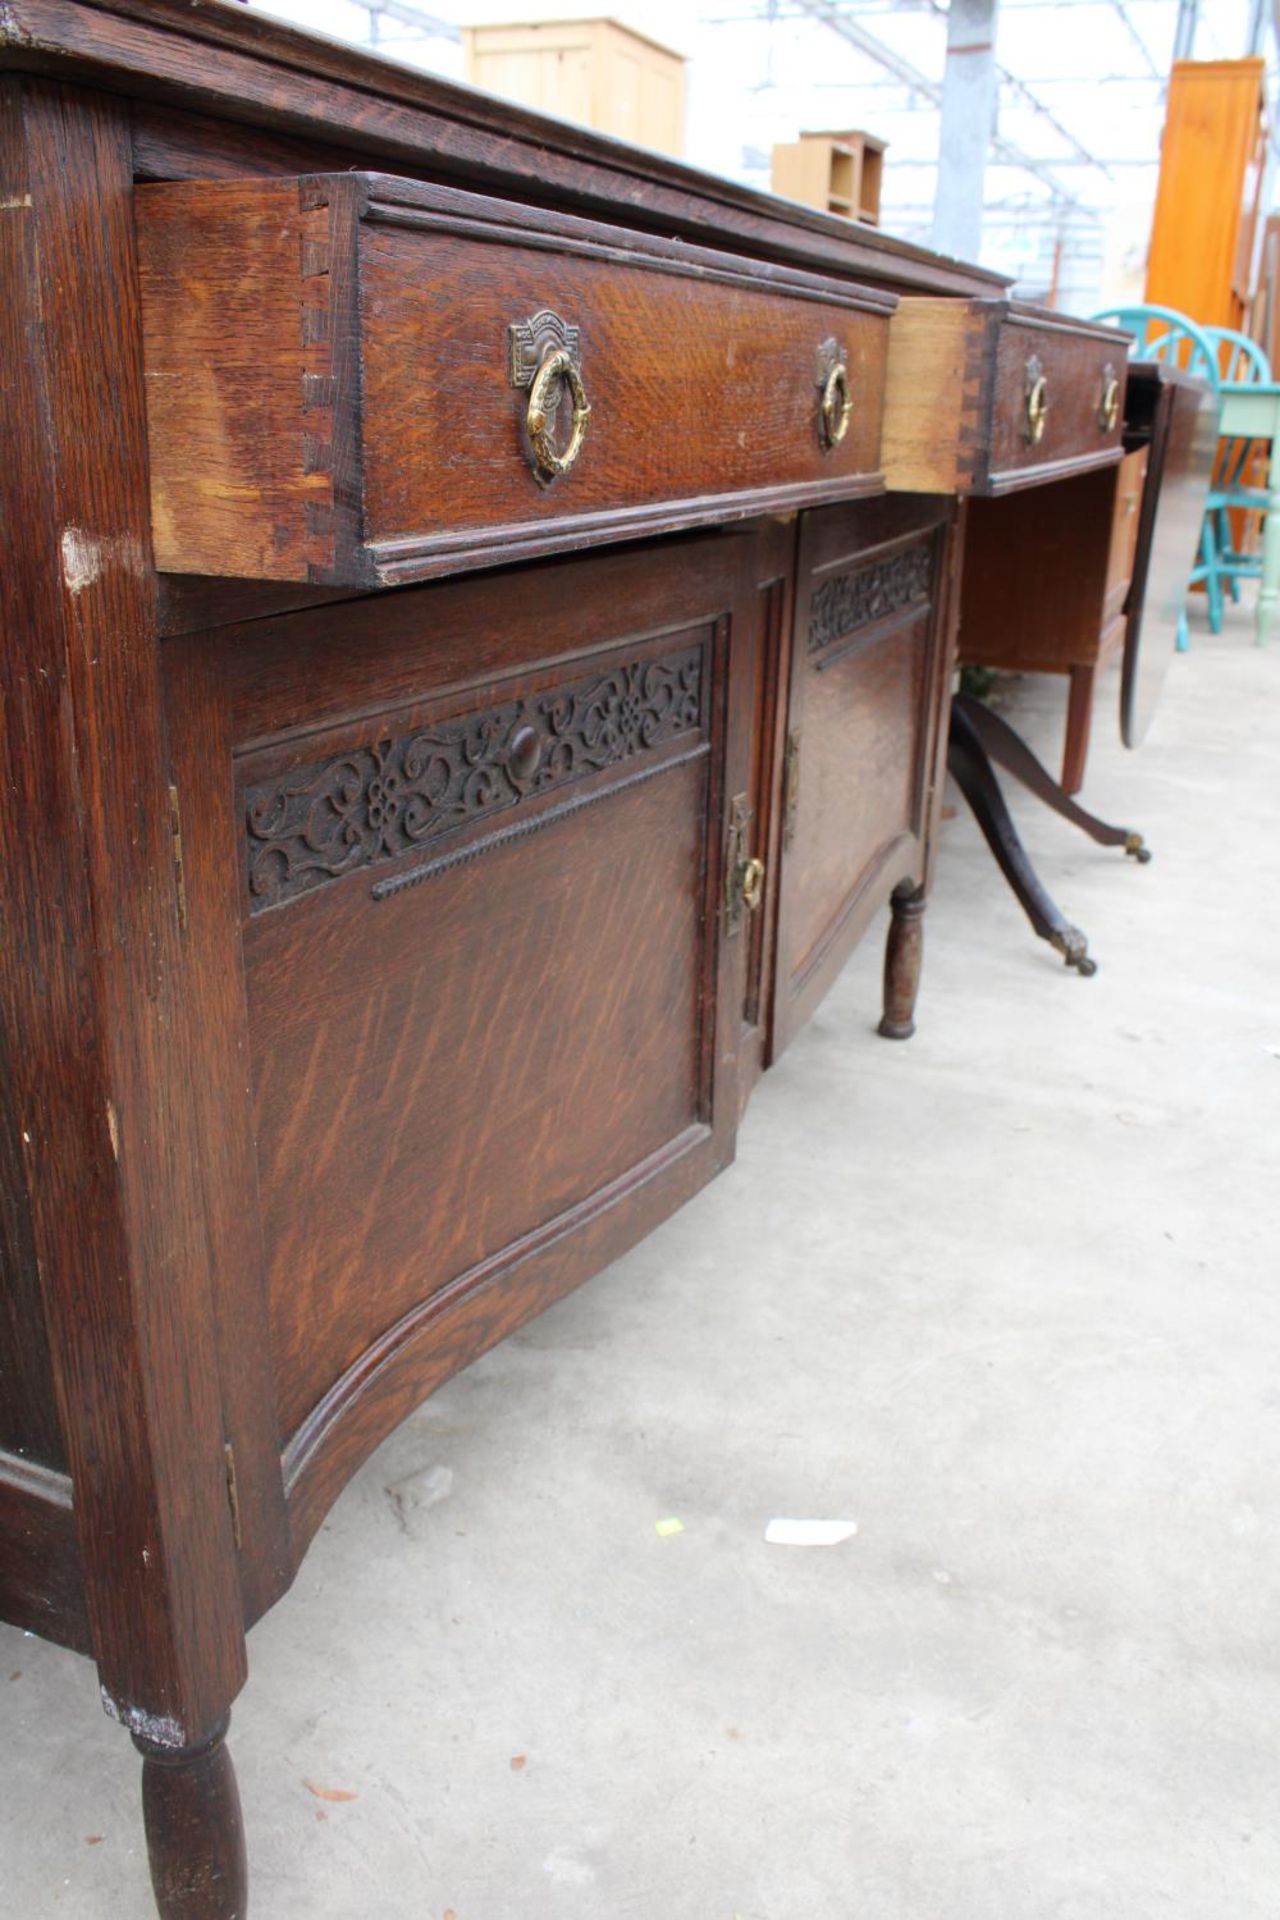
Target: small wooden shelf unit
{"points": [[839, 172]]}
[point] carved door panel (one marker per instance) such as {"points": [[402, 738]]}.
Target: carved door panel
{"points": [[869, 660], [493, 963]]}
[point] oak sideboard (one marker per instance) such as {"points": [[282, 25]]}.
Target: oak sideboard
{"points": [[479, 608]]}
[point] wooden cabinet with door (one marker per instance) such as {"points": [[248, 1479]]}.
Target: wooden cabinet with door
{"points": [[870, 664], [466, 691]]}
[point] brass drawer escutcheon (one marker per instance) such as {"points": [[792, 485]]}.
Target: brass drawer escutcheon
{"points": [[836, 408], [544, 358]]}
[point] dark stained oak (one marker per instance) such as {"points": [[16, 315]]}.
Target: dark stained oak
{"points": [[870, 662], [93, 1000], [970, 765], [383, 958], [443, 1138], [987, 396], [903, 956], [195, 1834], [1046, 586], [332, 393]]}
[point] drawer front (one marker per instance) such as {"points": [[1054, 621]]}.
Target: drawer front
{"points": [[1058, 404], [984, 396], [359, 380], [866, 683]]}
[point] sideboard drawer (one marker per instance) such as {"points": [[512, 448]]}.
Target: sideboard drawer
{"points": [[985, 396], [358, 380]]}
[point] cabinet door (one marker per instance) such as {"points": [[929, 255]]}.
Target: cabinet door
{"points": [[869, 665], [492, 987]]}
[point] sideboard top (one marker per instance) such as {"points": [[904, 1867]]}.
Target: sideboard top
{"points": [[225, 61]]}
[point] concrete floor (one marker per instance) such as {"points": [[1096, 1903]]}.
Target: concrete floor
{"points": [[1007, 1297]]}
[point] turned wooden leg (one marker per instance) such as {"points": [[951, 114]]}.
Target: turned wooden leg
{"points": [[195, 1839], [1075, 747], [903, 952]]}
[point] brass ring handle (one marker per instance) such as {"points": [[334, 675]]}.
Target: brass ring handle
{"points": [[1109, 409], [752, 884], [1037, 409], [837, 405], [544, 404]]}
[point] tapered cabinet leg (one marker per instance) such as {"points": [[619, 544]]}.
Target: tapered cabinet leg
{"points": [[903, 953], [1075, 747], [195, 1837]]}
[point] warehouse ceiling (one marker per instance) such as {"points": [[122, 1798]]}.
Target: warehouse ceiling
{"points": [[1072, 176]]}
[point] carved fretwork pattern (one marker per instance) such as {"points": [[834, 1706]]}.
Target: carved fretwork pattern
{"points": [[872, 592], [375, 802]]}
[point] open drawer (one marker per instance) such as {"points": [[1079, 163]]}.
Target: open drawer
{"points": [[985, 396], [359, 380]]}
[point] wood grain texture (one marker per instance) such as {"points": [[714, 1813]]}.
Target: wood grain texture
{"points": [[92, 981], [1212, 163], [330, 395], [29, 1425], [903, 958], [273, 1165], [195, 1833], [1035, 581], [444, 1137], [1075, 359], [937, 396], [427, 1097], [241, 465], [198, 727], [870, 644], [42, 1588], [1046, 581], [1125, 520], [955, 400]]}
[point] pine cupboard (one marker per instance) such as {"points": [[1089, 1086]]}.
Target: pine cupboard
{"points": [[1205, 238]]}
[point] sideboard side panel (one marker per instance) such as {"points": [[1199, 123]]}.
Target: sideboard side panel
{"points": [[92, 977]]}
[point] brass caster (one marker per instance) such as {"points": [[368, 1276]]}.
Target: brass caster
{"points": [[1074, 948], [1137, 849]]}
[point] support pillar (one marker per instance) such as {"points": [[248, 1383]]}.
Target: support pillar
{"points": [[969, 92]]}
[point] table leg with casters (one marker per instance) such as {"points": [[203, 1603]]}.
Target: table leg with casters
{"points": [[972, 772], [1010, 751]]}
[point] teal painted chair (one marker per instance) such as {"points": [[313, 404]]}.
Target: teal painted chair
{"points": [[1161, 333], [1241, 362]]}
